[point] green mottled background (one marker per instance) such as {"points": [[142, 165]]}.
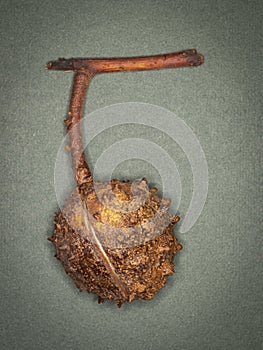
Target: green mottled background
{"points": [[214, 299]]}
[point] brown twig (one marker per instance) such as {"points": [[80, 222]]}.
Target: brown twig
{"points": [[73, 122], [86, 68], [186, 58]]}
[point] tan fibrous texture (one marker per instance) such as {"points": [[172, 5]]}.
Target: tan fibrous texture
{"points": [[116, 240]]}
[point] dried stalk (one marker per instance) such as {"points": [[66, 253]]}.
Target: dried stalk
{"points": [[80, 86]]}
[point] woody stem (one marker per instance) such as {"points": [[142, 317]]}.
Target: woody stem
{"points": [[73, 122], [85, 69], [186, 58]]}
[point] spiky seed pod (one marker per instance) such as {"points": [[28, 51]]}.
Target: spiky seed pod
{"points": [[116, 240]]}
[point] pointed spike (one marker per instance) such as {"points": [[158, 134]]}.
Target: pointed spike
{"points": [[167, 269], [154, 190], [175, 219], [179, 247], [100, 300], [119, 304]]}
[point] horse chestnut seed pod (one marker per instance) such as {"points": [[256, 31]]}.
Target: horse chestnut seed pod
{"points": [[115, 239]]}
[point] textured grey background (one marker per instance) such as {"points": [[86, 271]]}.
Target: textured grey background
{"points": [[214, 299]]}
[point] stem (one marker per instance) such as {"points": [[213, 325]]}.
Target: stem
{"points": [[86, 68], [186, 58], [73, 122]]}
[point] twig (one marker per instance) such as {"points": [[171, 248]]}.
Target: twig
{"points": [[186, 58], [86, 68], [80, 86]]}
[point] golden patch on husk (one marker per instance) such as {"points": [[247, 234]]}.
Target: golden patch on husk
{"points": [[116, 240]]}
